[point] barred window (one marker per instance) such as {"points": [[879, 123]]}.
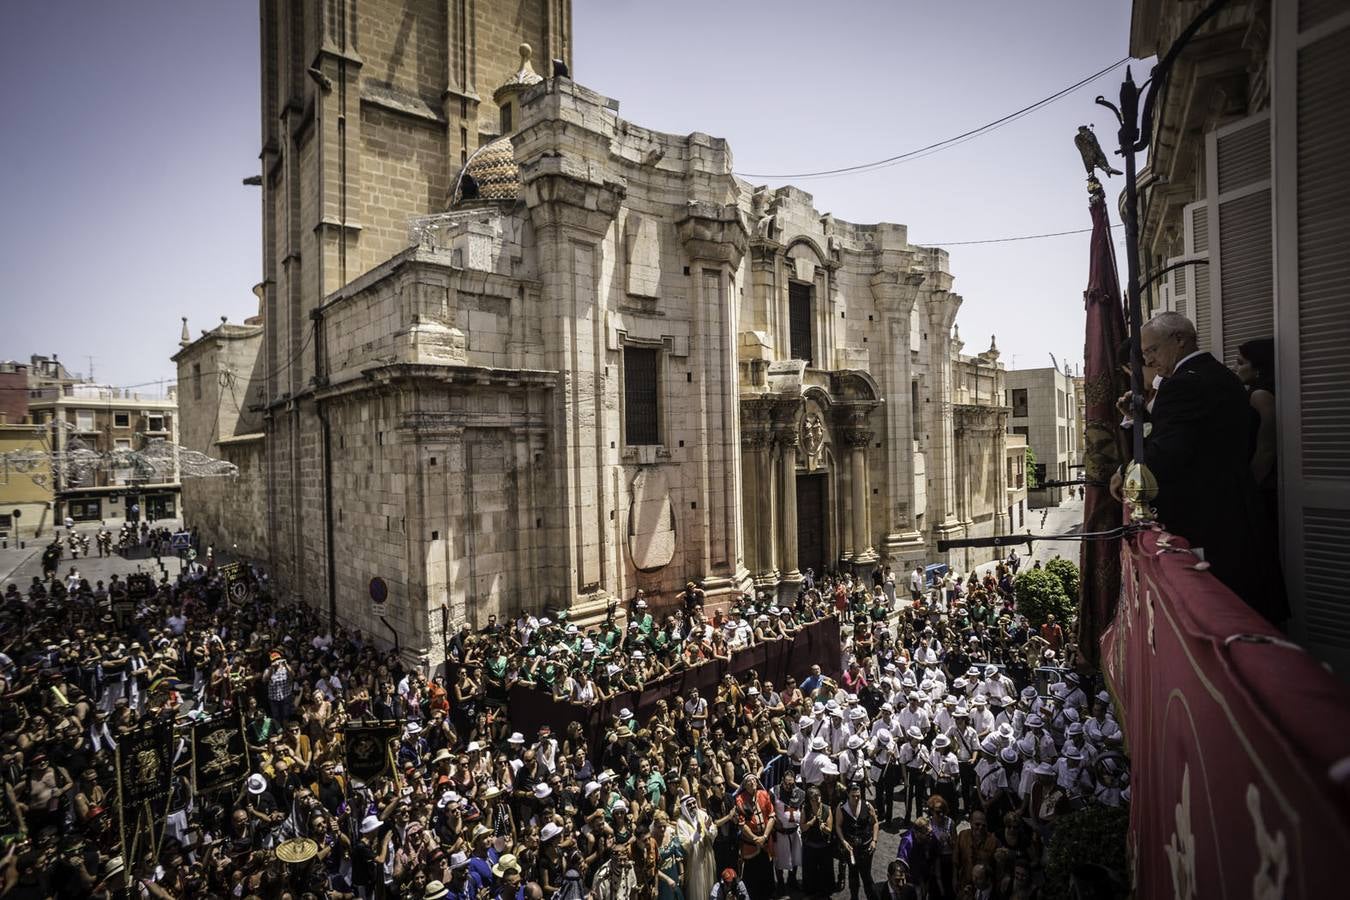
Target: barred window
{"points": [[641, 397], [799, 321]]}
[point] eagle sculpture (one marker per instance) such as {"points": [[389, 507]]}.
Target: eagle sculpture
{"points": [[1091, 151]]}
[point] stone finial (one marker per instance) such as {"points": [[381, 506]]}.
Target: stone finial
{"points": [[526, 73], [184, 338]]}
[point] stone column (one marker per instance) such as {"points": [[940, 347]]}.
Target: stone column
{"points": [[857, 439], [785, 437], [757, 483]]}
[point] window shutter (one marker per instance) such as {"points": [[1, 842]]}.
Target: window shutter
{"points": [[1179, 287], [1311, 69], [1240, 236], [1195, 219]]}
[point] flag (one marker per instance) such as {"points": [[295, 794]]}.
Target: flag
{"points": [[1104, 440]]}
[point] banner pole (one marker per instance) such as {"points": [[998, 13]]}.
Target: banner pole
{"points": [[122, 821]]}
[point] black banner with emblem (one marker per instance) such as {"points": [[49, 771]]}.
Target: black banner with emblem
{"points": [[238, 586], [219, 754], [367, 747], [145, 763]]}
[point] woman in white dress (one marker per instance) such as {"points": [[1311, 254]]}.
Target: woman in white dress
{"points": [[789, 800], [696, 833]]}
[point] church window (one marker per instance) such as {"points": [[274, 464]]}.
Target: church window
{"points": [[641, 396], [800, 316], [196, 381], [506, 119]]}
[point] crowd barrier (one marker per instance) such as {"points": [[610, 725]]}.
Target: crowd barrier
{"points": [[1239, 739], [775, 661]]}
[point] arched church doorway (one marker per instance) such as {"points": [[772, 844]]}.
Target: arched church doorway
{"points": [[812, 500]]}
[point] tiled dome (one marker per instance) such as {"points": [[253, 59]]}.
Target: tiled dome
{"points": [[493, 167]]}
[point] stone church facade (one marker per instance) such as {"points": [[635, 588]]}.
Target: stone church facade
{"points": [[589, 359]]}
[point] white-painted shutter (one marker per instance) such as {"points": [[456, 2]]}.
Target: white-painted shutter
{"points": [[1195, 238], [1240, 234], [1310, 77], [1179, 287]]}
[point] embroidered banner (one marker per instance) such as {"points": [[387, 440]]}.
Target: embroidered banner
{"points": [[219, 754], [145, 763], [1235, 733], [367, 747]]}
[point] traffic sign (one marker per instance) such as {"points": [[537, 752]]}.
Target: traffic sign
{"points": [[379, 593], [181, 540], [191, 554]]}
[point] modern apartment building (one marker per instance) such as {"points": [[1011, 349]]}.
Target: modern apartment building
{"points": [[1045, 409]]}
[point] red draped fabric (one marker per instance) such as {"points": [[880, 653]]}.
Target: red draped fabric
{"points": [[1104, 442], [1240, 741]]}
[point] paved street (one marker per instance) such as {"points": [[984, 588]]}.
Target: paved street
{"points": [[19, 566], [1062, 519]]}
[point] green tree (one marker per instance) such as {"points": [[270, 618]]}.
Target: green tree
{"points": [[1040, 593], [1096, 836], [1031, 468], [1067, 573]]}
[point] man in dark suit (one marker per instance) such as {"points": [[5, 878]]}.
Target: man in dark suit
{"points": [[1197, 445]]}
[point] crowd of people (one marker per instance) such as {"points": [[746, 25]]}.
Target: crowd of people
{"points": [[952, 723]]}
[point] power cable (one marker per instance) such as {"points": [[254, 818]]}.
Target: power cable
{"points": [[947, 142], [1004, 240]]}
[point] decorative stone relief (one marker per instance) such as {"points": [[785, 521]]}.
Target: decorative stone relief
{"points": [[813, 434], [651, 521], [643, 252]]}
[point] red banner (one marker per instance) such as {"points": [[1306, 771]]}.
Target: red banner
{"points": [[1103, 440], [1240, 740]]}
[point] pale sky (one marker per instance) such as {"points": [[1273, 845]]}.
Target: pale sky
{"points": [[128, 127]]}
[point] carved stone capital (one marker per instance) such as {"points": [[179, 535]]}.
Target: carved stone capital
{"points": [[560, 200], [755, 440], [713, 232], [858, 438]]}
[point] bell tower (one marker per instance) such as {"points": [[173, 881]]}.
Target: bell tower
{"points": [[368, 111]]}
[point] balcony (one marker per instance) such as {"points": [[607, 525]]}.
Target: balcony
{"points": [[1246, 737]]}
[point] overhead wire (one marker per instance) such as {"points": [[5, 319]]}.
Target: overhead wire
{"points": [[1004, 240], [936, 146]]}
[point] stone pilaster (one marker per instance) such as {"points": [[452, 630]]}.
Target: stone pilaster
{"points": [[757, 483], [894, 290], [857, 439], [941, 311], [785, 440], [572, 217], [714, 239]]}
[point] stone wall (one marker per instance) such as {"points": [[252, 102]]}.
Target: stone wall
{"points": [[230, 512]]}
